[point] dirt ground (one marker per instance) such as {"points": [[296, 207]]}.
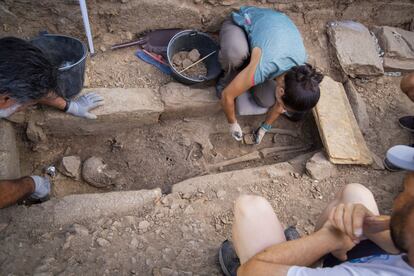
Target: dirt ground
{"points": [[185, 231]]}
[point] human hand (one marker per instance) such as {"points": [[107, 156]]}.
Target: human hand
{"points": [[341, 242], [236, 131], [81, 106], [260, 132], [6, 112], [42, 187], [349, 218]]}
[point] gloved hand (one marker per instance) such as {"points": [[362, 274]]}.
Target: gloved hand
{"points": [[42, 187], [236, 131], [260, 132], [81, 106], [6, 112]]}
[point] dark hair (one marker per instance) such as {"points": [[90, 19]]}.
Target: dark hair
{"points": [[302, 87], [25, 71], [398, 226]]}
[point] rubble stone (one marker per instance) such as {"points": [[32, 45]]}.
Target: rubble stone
{"points": [[35, 133], [70, 166], [319, 168], [355, 48]]}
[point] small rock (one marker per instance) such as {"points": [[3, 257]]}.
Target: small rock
{"points": [[168, 272], [189, 210], [35, 133], [187, 62], [102, 242], [134, 243], [177, 61], [143, 226], [378, 163], [78, 229], [102, 48], [70, 166], [95, 172], [319, 168], [194, 55], [3, 226], [221, 194]]}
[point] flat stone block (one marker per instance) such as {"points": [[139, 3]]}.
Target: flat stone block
{"points": [[355, 48], [78, 208], [123, 109], [234, 178], [396, 65], [9, 155], [396, 42], [184, 101]]}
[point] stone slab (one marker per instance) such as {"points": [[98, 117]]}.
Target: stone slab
{"points": [[358, 106], [234, 178], [184, 101], [78, 208], [395, 65], [395, 42], [355, 48], [338, 127], [9, 154], [123, 109]]}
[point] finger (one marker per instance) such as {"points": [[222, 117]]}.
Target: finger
{"points": [[358, 218], [90, 116], [95, 98], [339, 217], [91, 95], [95, 105], [348, 213], [331, 216]]}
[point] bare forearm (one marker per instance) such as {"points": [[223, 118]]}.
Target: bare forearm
{"points": [[273, 114], [302, 252], [229, 109], [11, 191], [277, 259], [54, 101]]}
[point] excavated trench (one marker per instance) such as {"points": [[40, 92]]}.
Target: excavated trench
{"points": [[164, 154]]}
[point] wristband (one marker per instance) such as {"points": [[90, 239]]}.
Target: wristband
{"points": [[66, 106], [266, 126]]}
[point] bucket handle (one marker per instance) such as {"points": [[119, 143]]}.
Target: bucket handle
{"points": [[193, 33]]}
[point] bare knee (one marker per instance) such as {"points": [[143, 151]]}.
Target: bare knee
{"points": [[251, 205], [357, 193], [354, 189]]}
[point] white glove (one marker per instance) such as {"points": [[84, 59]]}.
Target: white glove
{"points": [[42, 187], [236, 131], [81, 106], [6, 112], [260, 132]]}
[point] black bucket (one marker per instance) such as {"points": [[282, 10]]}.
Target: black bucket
{"points": [[188, 40], [68, 54]]}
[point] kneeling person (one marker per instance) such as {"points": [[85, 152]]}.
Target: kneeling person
{"points": [[276, 72], [28, 77]]}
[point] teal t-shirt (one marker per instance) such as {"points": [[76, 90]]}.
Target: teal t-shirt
{"points": [[278, 38]]}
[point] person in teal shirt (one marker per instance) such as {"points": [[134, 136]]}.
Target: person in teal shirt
{"points": [[262, 52]]}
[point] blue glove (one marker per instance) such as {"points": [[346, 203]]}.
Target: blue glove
{"points": [[260, 132]]}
